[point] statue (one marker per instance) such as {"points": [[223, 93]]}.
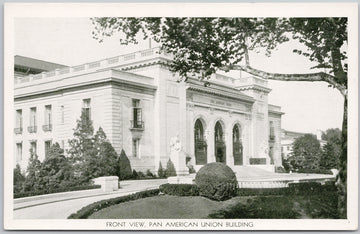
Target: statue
{"points": [[264, 150], [178, 156]]}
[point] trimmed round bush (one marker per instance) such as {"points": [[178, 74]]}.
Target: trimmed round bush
{"points": [[216, 181]]}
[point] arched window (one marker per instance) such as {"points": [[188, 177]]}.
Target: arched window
{"points": [[220, 147], [237, 146], [200, 143]]}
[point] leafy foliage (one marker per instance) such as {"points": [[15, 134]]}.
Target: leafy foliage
{"points": [[198, 44], [201, 46], [260, 208], [18, 179], [55, 170], [81, 148], [170, 169], [91, 155], [161, 171], [216, 181], [32, 181], [86, 211], [58, 190], [180, 189], [306, 153], [124, 167]]}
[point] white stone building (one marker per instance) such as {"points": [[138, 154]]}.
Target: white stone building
{"points": [[141, 107]]}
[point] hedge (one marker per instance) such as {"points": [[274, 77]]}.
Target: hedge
{"points": [[59, 190], [86, 211], [315, 171], [180, 189], [303, 188]]}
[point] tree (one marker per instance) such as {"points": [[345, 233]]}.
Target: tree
{"points": [[161, 171], [82, 150], [56, 170], [306, 153], [107, 160], [18, 180], [124, 167], [330, 157], [332, 149], [170, 169], [202, 46], [332, 135], [32, 180]]}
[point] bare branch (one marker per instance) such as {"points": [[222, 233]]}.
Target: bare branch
{"points": [[319, 76]]}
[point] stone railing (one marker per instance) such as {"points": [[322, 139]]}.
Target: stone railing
{"points": [[32, 129], [109, 62], [18, 130], [47, 127]]}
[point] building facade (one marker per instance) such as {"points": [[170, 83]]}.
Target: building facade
{"points": [[141, 107]]}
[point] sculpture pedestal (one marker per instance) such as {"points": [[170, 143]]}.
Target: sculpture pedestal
{"points": [[184, 179], [108, 183]]}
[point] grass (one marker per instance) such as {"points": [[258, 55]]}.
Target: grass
{"points": [[165, 207], [322, 206]]}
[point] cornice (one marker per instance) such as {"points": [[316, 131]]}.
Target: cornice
{"points": [[254, 87]]}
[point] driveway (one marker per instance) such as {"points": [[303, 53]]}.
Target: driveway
{"points": [[62, 206]]}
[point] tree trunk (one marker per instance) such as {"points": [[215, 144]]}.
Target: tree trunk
{"points": [[342, 176]]}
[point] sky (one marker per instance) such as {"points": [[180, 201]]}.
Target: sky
{"points": [[308, 106]]}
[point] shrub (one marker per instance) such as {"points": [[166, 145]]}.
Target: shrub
{"points": [[191, 169], [58, 190], [170, 169], [161, 171], [304, 188], [141, 174], [86, 211], [124, 171], [149, 173], [280, 170], [216, 181], [19, 179], [262, 191], [180, 189], [260, 208], [135, 175], [315, 171]]}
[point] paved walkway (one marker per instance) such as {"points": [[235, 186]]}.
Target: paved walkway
{"points": [[62, 205]]}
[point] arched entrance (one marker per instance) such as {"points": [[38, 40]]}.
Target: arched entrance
{"points": [[237, 146], [200, 143], [220, 147]]}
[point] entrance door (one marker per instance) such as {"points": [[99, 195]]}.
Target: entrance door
{"points": [[237, 146], [200, 144], [220, 147]]}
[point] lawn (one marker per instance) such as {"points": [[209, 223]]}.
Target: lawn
{"points": [[196, 207], [165, 207]]}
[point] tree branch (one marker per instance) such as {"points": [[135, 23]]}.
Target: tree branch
{"points": [[319, 76]]}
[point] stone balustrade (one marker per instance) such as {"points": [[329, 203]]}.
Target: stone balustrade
{"points": [[83, 68]]}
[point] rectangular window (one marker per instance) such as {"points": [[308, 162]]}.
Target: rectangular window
{"points": [[19, 118], [86, 109], [137, 114], [32, 116], [33, 147], [62, 115], [48, 119], [47, 147], [135, 147], [272, 131], [18, 152], [62, 144]]}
